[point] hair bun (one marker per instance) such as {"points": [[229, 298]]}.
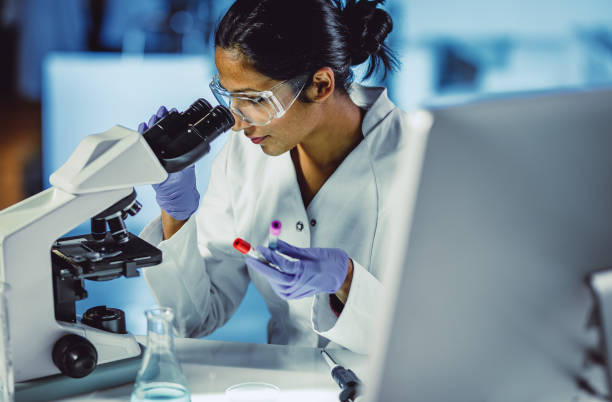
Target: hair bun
{"points": [[368, 28]]}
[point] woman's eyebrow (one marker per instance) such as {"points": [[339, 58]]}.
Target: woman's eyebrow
{"points": [[246, 90], [238, 90], [241, 89]]}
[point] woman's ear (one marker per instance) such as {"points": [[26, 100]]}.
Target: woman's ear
{"points": [[323, 85]]}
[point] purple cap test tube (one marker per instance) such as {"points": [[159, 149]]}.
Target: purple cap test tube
{"points": [[275, 231]]}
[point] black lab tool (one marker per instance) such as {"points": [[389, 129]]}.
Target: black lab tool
{"points": [[345, 378]]}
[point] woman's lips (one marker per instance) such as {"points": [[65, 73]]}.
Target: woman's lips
{"points": [[258, 140]]}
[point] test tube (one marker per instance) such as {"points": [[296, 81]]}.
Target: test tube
{"points": [[275, 231], [245, 248]]}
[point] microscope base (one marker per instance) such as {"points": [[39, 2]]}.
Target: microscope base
{"points": [[60, 386]]}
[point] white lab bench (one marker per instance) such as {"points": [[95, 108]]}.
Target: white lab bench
{"points": [[213, 366], [300, 372]]}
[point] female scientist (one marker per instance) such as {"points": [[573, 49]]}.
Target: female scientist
{"points": [[312, 150]]}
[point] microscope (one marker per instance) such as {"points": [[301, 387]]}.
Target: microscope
{"points": [[47, 273]]}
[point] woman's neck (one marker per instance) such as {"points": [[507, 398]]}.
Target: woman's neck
{"points": [[337, 135], [316, 158]]}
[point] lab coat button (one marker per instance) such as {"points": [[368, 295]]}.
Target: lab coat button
{"points": [[299, 226], [313, 222]]}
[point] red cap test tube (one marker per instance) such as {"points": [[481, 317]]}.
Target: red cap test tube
{"points": [[245, 248]]}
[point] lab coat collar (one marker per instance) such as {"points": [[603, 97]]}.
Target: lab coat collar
{"points": [[375, 101]]}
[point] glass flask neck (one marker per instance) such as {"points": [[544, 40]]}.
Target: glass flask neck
{"points": [[159, 328]]}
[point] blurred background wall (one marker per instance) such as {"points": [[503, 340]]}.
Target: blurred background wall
{"points": [[76, 67]]}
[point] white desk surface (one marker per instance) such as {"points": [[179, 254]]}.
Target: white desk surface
{"points": [[213, 366]]}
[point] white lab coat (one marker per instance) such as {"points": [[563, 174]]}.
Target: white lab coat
{"points": [[204, 279]]}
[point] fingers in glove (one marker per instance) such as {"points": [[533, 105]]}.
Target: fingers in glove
{"points": [[284, 264], [161, 112], [152, 120], [294, 292], [269, 272], [292, 251], [296, 286], [142, 127]]}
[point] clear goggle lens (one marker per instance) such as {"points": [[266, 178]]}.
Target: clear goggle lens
{"points": [[259, 108]]}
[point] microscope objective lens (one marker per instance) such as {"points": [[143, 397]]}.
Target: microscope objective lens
{"points": [[98, 229], [118, 229]]}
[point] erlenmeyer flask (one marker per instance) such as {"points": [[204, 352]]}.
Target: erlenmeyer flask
{"points": [[160, 377]]}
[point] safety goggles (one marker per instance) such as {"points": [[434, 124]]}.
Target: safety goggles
{"points": [[259, 108]]}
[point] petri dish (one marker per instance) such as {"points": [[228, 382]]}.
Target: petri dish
{"points": [[253, 392]]}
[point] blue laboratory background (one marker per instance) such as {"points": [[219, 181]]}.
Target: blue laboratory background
{"points": [[158, 52]]}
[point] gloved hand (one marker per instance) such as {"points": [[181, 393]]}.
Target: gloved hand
{"points": [[317, 270], [177, 195]]}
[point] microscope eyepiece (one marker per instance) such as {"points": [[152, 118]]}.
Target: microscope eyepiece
{"points": [[215, 123], [166, 129], [197, 109], [180, 139]]}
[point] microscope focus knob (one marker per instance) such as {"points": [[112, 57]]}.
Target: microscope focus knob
{"points": [[75, 356]]}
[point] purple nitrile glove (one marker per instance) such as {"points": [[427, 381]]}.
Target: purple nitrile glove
{"points": [[317, 270], [177, 195]]}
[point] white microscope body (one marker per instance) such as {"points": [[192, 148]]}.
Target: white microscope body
{"points": [[102, 171], [46, 274]]}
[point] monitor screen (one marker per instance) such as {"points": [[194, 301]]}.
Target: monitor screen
{"points": [[513, 210]]}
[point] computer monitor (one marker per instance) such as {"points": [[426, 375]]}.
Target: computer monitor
{"points": [[513, 210]]}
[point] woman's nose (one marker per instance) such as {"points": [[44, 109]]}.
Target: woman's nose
{"points": [[239, 123]]}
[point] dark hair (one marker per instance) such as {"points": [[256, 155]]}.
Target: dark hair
{"points": [[284, 39]]}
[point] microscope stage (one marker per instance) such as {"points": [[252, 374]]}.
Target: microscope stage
{"points": [[87, 258]]}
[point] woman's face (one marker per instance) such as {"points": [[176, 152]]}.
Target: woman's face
{"points": [[280, 135]]}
